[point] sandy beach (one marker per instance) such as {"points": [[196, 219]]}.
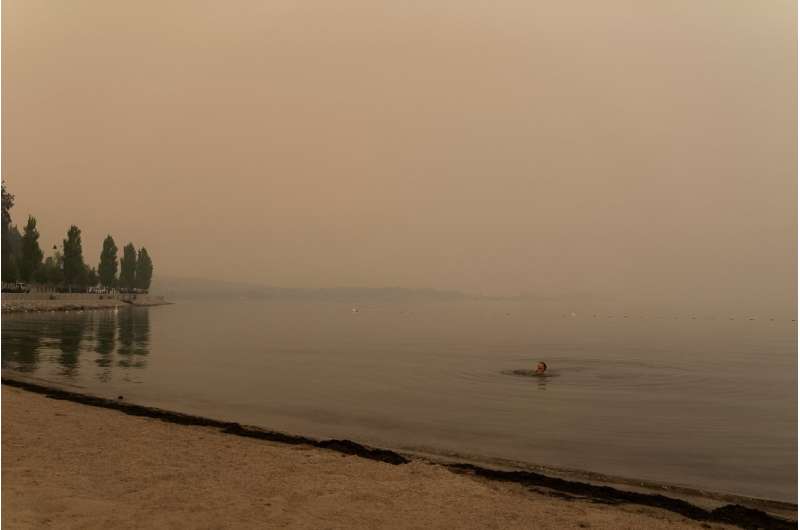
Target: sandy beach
{"points": [[68, 465]]}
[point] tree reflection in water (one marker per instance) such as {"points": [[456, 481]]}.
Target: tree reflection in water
{"points": [[105, 338], [33, 341], [134, 337], [70, 334], [21, 350]]}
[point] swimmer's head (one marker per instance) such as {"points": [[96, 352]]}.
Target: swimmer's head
{"points": [[541, 368]]}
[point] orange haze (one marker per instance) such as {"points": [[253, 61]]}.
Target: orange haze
{"points": [[635, 149]]}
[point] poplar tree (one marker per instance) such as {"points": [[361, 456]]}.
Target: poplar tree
{"points": [[31, 252], [52, 270], [127, 267], [91, 277], [9, 268], [144, 269], [74, 267], [107, 269]]}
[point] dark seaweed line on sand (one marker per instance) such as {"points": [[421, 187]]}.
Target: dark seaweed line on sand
{"points": [[342, 446], [735, 514]]}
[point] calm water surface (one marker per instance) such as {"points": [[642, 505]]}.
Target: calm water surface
{"points": [[706, 402]]}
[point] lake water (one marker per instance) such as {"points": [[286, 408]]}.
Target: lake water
{"points": [[706, 402]]}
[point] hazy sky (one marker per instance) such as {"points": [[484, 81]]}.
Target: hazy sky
{"points": [[636, 147]]}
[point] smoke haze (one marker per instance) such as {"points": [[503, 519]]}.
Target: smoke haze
{"points": [[624, 149]]}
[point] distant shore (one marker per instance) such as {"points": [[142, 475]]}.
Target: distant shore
{"points": [[96, 467], [35, 303]]}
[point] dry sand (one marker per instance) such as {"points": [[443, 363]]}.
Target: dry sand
{"points": [[67, 465]]}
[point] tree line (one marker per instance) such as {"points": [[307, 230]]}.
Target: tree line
{"points": [[24, 261]]}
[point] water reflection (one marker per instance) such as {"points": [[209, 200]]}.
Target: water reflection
{"points": [[70, 333], [21, 352], [134, 336], [540, 379], [105, 343], [71, 341]]}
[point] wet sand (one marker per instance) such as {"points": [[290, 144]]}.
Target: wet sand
{"points": [[67, 465]]}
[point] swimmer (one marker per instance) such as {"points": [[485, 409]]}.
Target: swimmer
{"points": [[541, 368]]}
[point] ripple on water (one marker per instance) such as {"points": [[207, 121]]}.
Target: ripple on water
{"points": [[529, 373]]}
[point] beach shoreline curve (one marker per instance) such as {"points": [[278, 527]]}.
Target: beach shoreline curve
{"points": [[737, 514]]}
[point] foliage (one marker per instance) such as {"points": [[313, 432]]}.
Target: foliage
{"points": [[74, 267], [13, 245], [31, 253], [9, 268], [107, 269], [22, 258], [127, 272], [51, 272], [144, 269], [8, 203], [15, 241], [92, 277]]}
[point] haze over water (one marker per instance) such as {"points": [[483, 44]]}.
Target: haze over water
{"points": [[706, 402], [628, 157], [640, 150]]}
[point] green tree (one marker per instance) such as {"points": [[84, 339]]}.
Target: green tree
{"points": [[14, 243], [31, 252], [74, 267], [40, 275], [91, 277], [8, 203], [107, 269], [144, 269], [127, 267], [9, 272], [10, 269], [83, 277], [51, 272]]}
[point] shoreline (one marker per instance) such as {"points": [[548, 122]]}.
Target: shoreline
{"points": [[704, 498], [62, 303], [744, 513]]}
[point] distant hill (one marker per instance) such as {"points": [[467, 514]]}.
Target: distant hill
{"points": [[197, 288]]}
